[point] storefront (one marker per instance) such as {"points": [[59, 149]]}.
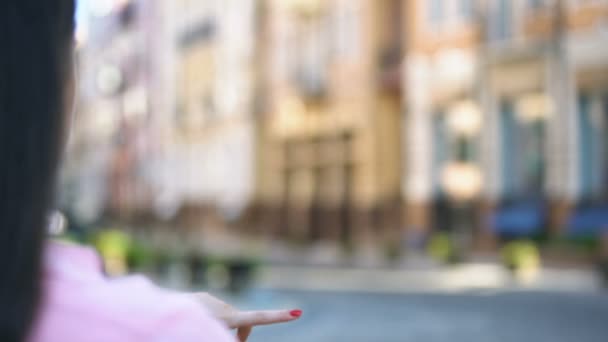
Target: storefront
{"points": [[589, 218], [522, 109]]}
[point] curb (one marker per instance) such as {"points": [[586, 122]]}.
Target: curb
{"points": [[454, 279]]}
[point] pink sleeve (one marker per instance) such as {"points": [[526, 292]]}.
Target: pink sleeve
{"points": [[181, 318], [191, 327], [81, 304]]}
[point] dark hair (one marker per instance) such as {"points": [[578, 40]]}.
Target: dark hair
{"points": [[35, 61]]}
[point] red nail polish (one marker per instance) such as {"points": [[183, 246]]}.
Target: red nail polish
{"points": [[295, 313]]}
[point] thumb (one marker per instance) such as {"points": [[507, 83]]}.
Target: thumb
{"points": [[243, 333]]}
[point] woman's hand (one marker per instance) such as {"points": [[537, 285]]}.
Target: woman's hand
{"points": [[244, 321]]}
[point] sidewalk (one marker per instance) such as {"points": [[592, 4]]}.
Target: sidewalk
{"points": [[326, 267], [471, 276]]}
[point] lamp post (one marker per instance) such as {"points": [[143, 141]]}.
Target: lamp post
{"points": [[461, 178]]}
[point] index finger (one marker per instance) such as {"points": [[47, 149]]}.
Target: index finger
{"points": [[252, 318]]}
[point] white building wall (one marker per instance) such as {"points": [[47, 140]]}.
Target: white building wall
{"points": [[418, 139], [490, 137], [586, 52], [217, 167], [562, 137]]}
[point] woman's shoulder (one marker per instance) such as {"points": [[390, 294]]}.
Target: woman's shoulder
{"points": [[79, 302]]}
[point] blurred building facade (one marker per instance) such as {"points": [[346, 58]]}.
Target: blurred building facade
{"points": [[505, 101], [346, 120], [439, 77], [165, 125], [328, 164], [109, 138], [214, 141]]}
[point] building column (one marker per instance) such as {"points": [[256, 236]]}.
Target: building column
{"points": [[490, 156], [562, 139], [417, 144]]}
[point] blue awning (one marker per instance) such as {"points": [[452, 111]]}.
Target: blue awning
{"points": [[519, 219], [589, 221]]}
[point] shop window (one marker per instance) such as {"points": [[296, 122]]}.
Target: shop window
{"points": [[593, 146], [522, 153]]}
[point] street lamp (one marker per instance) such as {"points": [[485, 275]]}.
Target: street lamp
{"points": [[461, 178], [534, 107], [462, 181], [464, 119]]}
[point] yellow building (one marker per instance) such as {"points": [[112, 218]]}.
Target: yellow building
{"points": [[328, 153]]}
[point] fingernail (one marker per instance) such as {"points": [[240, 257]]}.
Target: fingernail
{"points": [[295, 313]]}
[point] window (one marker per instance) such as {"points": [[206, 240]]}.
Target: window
{"points": [[593, 145], [535, 4], [311, 56], [467, 9], [390, 55], [522, 154], [346, 23], [435, 11], [501, 13], [505, 18], [204, 31]]}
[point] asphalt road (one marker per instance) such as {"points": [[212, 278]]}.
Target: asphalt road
{"points": [[468, 317]]}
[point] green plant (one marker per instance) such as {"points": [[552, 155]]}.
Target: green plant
{"points": [[521, 254], [113, 246], [140, 256], [441, 247], [393, 251]]}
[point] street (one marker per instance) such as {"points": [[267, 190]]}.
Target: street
{"points": [[487, 316]]}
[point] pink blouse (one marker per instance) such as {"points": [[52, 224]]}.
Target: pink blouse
{"points": [[81, 304]]}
